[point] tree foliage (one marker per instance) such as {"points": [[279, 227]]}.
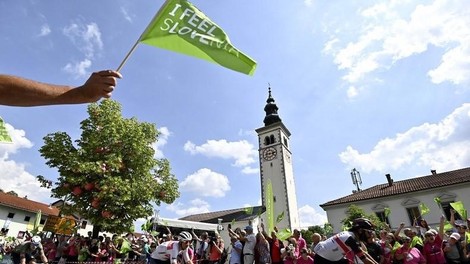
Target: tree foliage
{"points": [[355, 211], [109, 176]]}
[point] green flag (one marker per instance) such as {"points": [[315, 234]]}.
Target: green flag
{"points": [[181, 27], [125, 246], [233, 222], [387, 211], [423, 208], [269, 206], [280, 217], [284, 234], [37, 222], [437, 200], [459, 208], [248, 210], [4, 136]]}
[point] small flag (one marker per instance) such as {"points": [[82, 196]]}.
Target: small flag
{"points": [[437, 200], [248, 210], [459, 208], [181, 27], [233, 222], [387, 211], [284, 234], [280, 217], [423, 208], [4, 136]]}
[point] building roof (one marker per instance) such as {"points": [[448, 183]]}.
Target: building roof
{"points": [[24, 204], [435, 180], [239, 214]]}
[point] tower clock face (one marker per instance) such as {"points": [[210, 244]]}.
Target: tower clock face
{"points": [[269, 154]]}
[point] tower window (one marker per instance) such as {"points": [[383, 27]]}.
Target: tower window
{"points": [[268, 140], [285, 142], [273, 140]]}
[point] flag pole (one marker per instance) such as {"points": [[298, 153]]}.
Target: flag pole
{"points": [[141, 35]]}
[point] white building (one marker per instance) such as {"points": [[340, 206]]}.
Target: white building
{"points": [[18, 214], [404, 197]]}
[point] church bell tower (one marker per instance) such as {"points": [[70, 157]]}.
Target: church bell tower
{"points": [[276, 165]]}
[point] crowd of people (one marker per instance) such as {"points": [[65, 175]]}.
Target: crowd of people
{"points": [[362, 243]]}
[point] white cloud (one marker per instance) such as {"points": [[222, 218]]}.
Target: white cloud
{"points": [[206, 183], [87, 38], [441, 146], [308, 216], [308, 2], [250, 170], [162, 140], [352, 92], [395, 30], [45, 30], [14, 177], [78, 69], [126, 14], [241, 151], [196, 206]]}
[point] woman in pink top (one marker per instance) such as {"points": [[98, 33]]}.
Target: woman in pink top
{"points": [[432, 250], [304, 258], [408, 254]]}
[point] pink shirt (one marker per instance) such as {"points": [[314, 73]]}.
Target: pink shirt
{"points": [[301, 260], [433, 251], [414, 256]]}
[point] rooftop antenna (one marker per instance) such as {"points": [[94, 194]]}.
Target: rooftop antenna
{"points": [[356, 179]]}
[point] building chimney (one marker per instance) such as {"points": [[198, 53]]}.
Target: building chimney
{"points": [[433, 172], [389, 179]]}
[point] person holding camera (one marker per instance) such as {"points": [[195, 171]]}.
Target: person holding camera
{"points": [[216, 248]]}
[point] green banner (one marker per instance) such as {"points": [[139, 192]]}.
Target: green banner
{"points": [[181, 27], [269, 206], [458, 206]]}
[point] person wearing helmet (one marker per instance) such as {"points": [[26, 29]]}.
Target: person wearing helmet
{"points": [[28, 251], [345, 247], [173, 252]]}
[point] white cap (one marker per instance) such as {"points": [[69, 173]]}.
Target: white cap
{"points": [[455, 236]]}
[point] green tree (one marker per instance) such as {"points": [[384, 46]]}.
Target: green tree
{"points": [[355, 211], [109, 176]]}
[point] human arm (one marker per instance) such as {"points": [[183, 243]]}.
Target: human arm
{"points": [[441, 226], [265, 234], [18, 91], [397, 232]]}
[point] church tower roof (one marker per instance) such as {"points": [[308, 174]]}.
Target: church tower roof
{"points": [[271, 110]]}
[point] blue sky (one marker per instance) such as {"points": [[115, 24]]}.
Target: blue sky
{"points": [[380, 86]]}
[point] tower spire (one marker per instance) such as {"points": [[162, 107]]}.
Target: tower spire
{"points": [[271, 110]]}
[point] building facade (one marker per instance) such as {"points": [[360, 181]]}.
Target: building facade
{"points": [[404, 198]]}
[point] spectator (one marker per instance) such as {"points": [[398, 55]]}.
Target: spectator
{"points": [[453, 250], [262, 249], [236, 252], [432, 250], [304, 257], [275, 245], [408, 254], [249, 243]]}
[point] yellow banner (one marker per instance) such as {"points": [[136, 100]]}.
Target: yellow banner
{"points": [[59, 225]]}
